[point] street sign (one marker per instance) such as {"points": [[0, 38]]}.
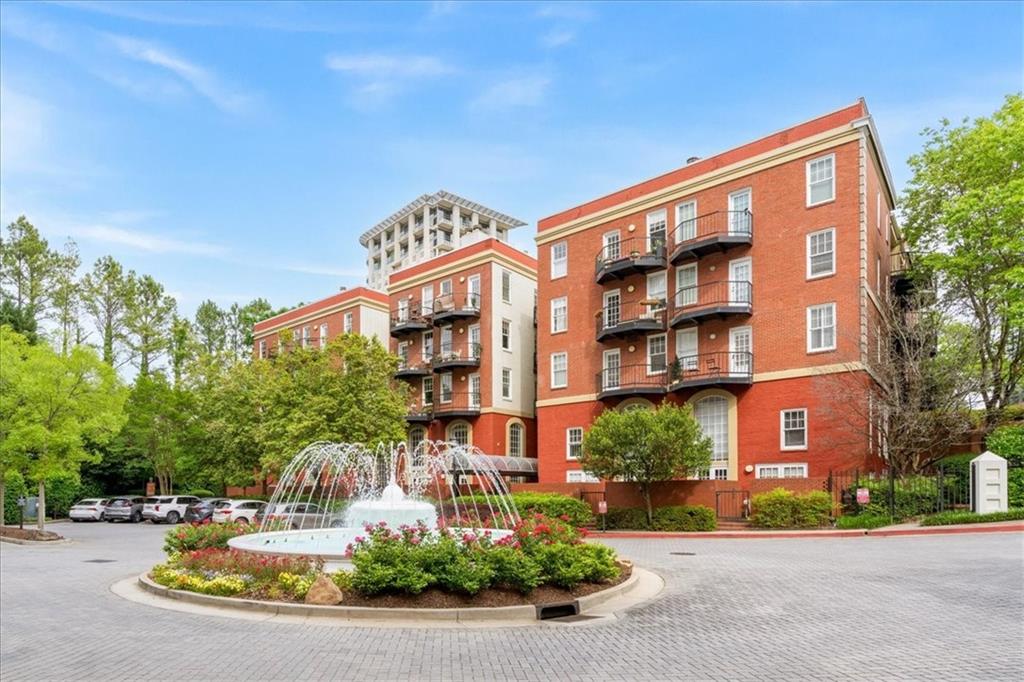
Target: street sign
{"points": [[602, 507], [863, 496]]}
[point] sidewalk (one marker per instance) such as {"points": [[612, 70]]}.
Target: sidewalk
{"points": [[886, 531]]}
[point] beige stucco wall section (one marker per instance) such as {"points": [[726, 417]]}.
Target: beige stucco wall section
{"points": [[520, 358]]}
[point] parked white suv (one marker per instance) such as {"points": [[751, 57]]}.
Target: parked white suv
{"points": [[169, 509], [241, 511]]}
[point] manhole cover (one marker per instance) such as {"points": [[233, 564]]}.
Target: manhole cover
{"points": [[99, 561], [572, 619], [683, 553]]}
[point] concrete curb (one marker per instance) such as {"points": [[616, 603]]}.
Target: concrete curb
{"points": [[35, 543], [776, 535], [524, 614]]}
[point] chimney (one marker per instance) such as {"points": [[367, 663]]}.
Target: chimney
{"points": [[342, 288], [692, 159]]}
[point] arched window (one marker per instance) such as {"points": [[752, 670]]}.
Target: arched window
{"points": [[516, 436], [712, 413], [459, 433], [417, 435]]}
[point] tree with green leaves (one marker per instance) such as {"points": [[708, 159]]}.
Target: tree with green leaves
{"points": [[67, 298], [148, 321], [210, 327], [964, 220], [54, 409], [28, 268], [153, 427], [106, 293], [646, 446], [252, 312], [181, 349]]}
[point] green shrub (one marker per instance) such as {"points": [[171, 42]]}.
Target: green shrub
{"points": [[201, 492], [913, 495], [1008, 442], [14, 488], [684, 518], [514, 570], [956, 517], [553, 505], [62, 491], [189, 538], [862, 521], [627, 518], [782, 508], [569, 565]]}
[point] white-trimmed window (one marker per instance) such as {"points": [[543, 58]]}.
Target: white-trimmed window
{"points": [[821, 180], [559, 314], [348, 323], [657, 290], [657, 226], [821, 327], [515, 439], [417, 435], [559, 370], [781, 470], [506, 383], [686, 350], [657, 353], [686, 221], [878, 211], [793, 429], [506, 335], [612, 247], [739, 212], [821, 253], [712, 414], [580, 476], [428, 346], [686, 285], [459, 433], [427, 299], [323, 335], [559, 260], [878, 274], [263, 348], [506, 286], [428, 390], [305, 336], [446, 387], [611, 368], [573, 442]]}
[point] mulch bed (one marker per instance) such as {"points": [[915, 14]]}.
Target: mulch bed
{"points": [[29, 534]]}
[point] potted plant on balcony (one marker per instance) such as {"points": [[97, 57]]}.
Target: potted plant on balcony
{"points": [[675, 370]]}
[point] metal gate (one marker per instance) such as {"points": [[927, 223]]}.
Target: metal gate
{"points": [[732, 505]]}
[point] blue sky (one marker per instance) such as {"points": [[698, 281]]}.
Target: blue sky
{"points": [[235, 151]]}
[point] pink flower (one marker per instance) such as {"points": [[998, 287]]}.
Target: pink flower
{"points": [[414, 540]]}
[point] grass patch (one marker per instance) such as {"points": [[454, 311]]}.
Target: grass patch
{"points": [[862, 521], [957, 517]]}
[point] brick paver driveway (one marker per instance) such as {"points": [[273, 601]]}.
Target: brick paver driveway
{"points": [[937, 608]]}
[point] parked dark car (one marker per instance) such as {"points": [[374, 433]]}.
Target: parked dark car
{"points": [[124, 509], [202, 511]]}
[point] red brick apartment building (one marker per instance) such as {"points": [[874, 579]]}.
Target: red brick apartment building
{"points": [[359, 311], [463, 325], [733, 284]]}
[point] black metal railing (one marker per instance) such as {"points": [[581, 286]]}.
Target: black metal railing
{"points": [[451, 352], [646, 378], [728, 293], [632, 248], [413, 313], [463, 302], [721, 366], [645, 315], [451, 402], [414, 364], [738, 223], [899, 262], [419, 410]]}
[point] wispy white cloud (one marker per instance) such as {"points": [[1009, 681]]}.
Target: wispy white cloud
{"points": [[442, 7], [525, 91], [320, 269], [143, 241], [576, 11], [201, 79], [557, 38], [388, 66]]}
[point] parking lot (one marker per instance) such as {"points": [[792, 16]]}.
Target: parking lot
{"points": [[937, 607]]}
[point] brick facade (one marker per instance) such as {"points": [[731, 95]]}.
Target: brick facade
{"points": [[368, 310]]}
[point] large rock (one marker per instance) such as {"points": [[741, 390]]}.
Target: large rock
{"points": [[324, 592]]}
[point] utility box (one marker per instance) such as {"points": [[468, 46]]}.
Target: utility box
{"points": [[988, 484]]}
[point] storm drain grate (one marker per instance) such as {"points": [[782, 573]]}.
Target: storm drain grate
{"points": [[683, 553], [574, 619], [99, 561]]}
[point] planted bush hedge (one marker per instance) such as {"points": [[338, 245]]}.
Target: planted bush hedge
{"points": [[553, 505], [681, 518], [783, 508], [192, 537], [951, 518]]}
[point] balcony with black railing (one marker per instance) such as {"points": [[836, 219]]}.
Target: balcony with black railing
{"points": [[626, 257], [624, 320], [420, 412], [410, 368], [452, 307], [711, 233], [410, 318], [631, 380], [457, 404], [451, 356], [711, 300], [711, 369]]}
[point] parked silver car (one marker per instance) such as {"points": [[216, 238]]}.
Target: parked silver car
{"points": [[298, 515], [124, 509]]}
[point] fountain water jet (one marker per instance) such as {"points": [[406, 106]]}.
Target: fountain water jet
{"points": [[329, 492]]}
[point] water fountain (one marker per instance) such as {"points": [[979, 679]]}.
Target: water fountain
{"points": [[330, 492]]}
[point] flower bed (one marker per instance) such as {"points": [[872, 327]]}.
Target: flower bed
{"points": [[31, 534], [542, 561]]}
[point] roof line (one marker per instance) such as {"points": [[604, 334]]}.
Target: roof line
{"points": [[433, 199]]}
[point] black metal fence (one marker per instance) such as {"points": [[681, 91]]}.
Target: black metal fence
{"points": [[900, 497]]}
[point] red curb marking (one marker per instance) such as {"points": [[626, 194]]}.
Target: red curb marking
{"points": [[853, 533]]}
